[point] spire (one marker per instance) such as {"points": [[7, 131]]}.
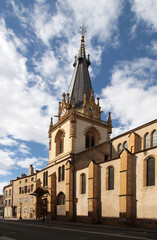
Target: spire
{"points": [[80, 81]]}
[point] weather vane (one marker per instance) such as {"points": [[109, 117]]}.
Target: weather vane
{"points": [[83, 28]]}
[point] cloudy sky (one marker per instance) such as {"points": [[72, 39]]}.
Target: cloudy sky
{"points": [[38, 42]]}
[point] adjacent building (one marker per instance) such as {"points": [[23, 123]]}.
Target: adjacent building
{"points": [[1, 206], [89, 176]]}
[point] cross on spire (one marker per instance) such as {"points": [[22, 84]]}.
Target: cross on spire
{"points": [[83, 28]]}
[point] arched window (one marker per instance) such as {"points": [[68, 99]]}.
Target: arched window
{"points": [[63, 173], [111, 178], [46, 180], [59, 139], [90, 140], [154, 139], [119, 148], [147, 141], [92, 137], [61, 199], [83, 183], [125, 145], [150, 171]]}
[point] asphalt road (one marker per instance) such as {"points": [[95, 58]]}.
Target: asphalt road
{"points": [[25, 230]]}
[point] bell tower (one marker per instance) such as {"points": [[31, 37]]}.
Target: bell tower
{"points": [[79, 125]]}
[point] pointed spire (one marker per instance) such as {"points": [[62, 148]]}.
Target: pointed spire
{"points": [[80, 80]]}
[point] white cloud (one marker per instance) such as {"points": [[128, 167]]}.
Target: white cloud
{"points": [[132, 93], [2, 185], [37, 162], [24, 149], [20, 105], [6, 162], [8, 141], [146, 11], [153, 48]]}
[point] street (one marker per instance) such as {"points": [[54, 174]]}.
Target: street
{"points": [[25, 230]]}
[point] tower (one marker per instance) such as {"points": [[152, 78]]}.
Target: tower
{"points": [[79, 125]]}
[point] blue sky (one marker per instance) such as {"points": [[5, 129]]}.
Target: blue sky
{"points": [[38, 42]]}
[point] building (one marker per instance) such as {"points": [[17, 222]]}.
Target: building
{"points": [[18, 201], [89, 177], [1, 206]]}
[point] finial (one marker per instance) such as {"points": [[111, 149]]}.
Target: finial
{"points": [[68, 100], [63, 101], [82, 47], [109, 123], [98, 101], [92, 95], [51, 124], [85, 99]]}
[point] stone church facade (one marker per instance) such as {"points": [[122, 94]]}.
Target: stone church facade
{"points": [[89, 177]]}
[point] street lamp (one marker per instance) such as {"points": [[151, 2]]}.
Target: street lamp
{"points": [[20, 210]]}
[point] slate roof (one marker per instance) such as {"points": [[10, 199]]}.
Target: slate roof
{"points": [[80, 81]]}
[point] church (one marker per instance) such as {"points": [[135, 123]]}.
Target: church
{"points": [[89, 177]]}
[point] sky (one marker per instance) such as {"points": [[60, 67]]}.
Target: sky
{"points": [[38, 42]]}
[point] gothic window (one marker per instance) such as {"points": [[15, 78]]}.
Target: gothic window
{"points": [[45, 179], [91, 137], [147, 141], [59, 142], [59, 174], [150, 171], [61, 199], [63, 173], [83, 183], [119, 149], [125, 145], [154, 139], [111, 178]]}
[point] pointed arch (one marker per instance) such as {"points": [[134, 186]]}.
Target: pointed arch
{"points": [[147, 141], [110, 178], [92, 137], [59, 140], [154, 138], [61, 199], [83, 183]]}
